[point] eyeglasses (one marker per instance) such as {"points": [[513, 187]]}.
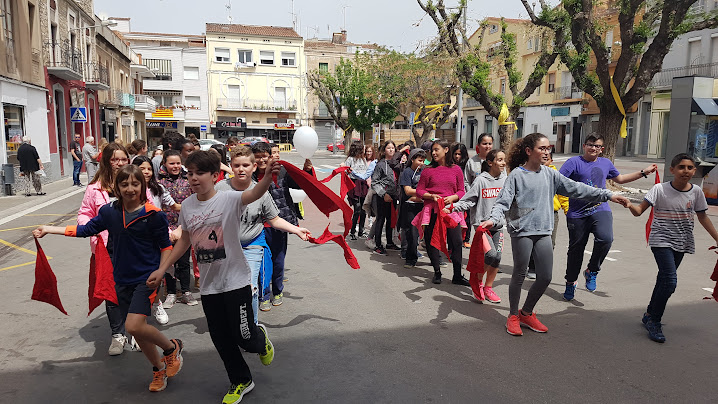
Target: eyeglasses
{"points": [[116, 160], [544, 149], [593, 146]]}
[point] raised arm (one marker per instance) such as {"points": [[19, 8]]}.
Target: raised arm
{"points": [[251, 195], [625, 178]]}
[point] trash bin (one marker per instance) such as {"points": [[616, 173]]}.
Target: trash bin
{"points": [[8, 177]]}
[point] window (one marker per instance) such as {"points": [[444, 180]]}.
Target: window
{"points": [[280, 97], [191, 73], [221, 55], [537, 44], [191, 101], [162, 68], [7, 19], [245, 56], [266, 57], [502, 87], [534, 128], [165, 43], [31, 18], [288, 59], [609, 43], [551, 82], [530, 44], [323, 110], [164, 100], [324, 67], [233, 92], [14, 130]]}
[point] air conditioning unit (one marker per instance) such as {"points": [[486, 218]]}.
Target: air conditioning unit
{"points": [[250, 64]]}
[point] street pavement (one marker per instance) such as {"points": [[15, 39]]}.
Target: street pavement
{"points": [[382, 333]]}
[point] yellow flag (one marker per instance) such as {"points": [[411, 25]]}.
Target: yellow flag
{"points": [[619, 104], [504, 115]]}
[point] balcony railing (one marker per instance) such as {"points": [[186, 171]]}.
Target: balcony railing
{"points": [[664, 78], [63, 60], [256, 105], [567, 93], [121, 98], [97, 76], [145, 103], [10, 55]]}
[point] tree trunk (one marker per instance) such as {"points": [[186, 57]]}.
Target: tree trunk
{"points": [[506, 134], [609, 126]]}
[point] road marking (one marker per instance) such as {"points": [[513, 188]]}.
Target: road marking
{"points": [[47, 214], [607, 258], [23, 227], [17, 247], [709, 290], [40, 206], [20, 265]]}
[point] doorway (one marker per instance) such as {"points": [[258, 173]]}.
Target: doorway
{"points": [[560, 138], [60, 129]]}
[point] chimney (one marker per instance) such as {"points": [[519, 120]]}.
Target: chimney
{"points": [[344, 36], [337, 38]]}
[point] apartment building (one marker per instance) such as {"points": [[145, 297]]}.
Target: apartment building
{"points": [[178, 90], [23, 96], [256, 79]]}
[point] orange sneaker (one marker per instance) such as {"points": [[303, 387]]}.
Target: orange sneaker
{"points": [[513, 326], [174, 360], [532, 322], [159, 379]]}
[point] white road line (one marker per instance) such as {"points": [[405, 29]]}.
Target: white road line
{"points": [[614, 251], [40, 206], [709, 290], [607, 258]]}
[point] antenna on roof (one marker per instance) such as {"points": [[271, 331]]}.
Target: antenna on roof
{"points": [[228, 6], [344, 16], [294, 17]]}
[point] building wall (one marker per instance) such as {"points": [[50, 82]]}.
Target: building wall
{"points": [[195, 57], [21, 57]]}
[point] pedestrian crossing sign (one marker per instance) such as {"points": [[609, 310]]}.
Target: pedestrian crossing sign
{"points": [[78, 114]]}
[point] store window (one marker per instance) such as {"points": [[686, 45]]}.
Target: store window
{"points": [[14, 130]]}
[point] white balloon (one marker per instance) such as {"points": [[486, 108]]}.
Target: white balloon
{"points": [[297, 195], [306, 141]]}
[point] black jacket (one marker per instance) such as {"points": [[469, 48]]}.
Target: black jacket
{"points": [[27, 156]]}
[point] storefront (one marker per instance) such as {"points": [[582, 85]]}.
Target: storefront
{"points": [[229, 126], [14, 126], [156, 129]]}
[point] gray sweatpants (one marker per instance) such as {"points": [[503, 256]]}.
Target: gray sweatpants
{"points": [[522, 249]]}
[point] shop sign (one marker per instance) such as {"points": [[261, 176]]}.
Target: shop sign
{"points": [[563, 111], [231, 123], [126, 121], [110, 114], [284, 126], [166, 125]]}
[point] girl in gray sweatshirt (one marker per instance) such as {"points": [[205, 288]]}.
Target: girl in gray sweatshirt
{"points": [[479, 201], [525, 207]]}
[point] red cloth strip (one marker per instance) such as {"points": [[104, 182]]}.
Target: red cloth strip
{"points": [[479, 247], [339, 239], [650, 217], [394, 216], [323, 197], [443, 222], [346, 185], [45, 288]]}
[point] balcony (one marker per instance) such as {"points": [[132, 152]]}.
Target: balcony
{"points": [[10, 55], [96, 77], [145, 103], [234, 104], [567, 93], [664, 78], [121, 99], [63, 61]]}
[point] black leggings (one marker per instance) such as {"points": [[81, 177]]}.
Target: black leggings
{"points": [[359, 214], [383, 213], [453, 237], [182, 273]]}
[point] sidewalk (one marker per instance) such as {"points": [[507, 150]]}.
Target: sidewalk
{"points": [[10, 205]]}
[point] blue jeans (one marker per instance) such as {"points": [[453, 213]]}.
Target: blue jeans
{"points": [[76, 168], [277, 241], [666, 281], [600, 224], [255, 256]]}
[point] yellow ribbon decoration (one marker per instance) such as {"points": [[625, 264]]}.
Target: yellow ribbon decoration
{"points": [[619, 104], [504, 115]]}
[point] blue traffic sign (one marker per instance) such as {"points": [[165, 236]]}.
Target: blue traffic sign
{"points": [[78, 114]]}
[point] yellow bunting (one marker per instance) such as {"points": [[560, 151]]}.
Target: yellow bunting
{"points": [[619, 104], [504, 116]]}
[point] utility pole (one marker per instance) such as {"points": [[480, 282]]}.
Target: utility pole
{"points": [[460, 101]]}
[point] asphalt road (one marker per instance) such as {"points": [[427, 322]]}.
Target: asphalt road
{"points": [[382, 333]]}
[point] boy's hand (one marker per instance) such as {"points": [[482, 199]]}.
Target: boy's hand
{"points": [[487, 224], [39, 232], [303, 233], [273, 167], [387, 198], [308, 165], [650, 169], [155, 278], [621, 200]]}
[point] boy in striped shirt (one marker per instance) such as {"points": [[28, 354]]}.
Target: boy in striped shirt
{"points": [[671, 235]]}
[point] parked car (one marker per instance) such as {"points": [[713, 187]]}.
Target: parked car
{"points": [[247, 141], [339, 145], [205, 144]]}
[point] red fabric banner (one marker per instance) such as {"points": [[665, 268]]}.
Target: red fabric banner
{"points": [[650, 217], [394, 216], [102, 282], [346, 185], [443, 222], [339, 239], [479, 247], [323, 197], [45, 288]]}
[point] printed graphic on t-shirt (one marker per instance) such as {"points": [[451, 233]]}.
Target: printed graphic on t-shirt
{"points": [[595, 180], [206, 229], [490, 192]]}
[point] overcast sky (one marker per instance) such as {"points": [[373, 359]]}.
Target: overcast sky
{"points": [[397, 23]]}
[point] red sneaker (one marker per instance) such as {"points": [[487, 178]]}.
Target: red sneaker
{"points": [[491, 295], [532, 322], [513, 326]]}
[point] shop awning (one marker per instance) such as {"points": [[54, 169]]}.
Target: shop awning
{"points": [[705, 106]]}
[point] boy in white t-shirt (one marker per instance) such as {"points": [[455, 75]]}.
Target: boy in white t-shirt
{"points": [[671, 235], [225, 276]]}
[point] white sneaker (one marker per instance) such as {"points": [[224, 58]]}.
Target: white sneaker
{"points": [[170, 300], [118, 345], [133, 345], [188, 299], [370, 243], [161, 315]]}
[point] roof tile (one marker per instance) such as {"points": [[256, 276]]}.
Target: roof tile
{"points": [[259, 30]]}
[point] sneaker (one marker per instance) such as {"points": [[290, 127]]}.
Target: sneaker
{"points": [[174, 360], [409, 264], [268, 356], [655, 329], [460, 280], [159, 379], [133, 346], [118, 345], [590, 280], [513, 325], [362, 234], [170, 301], [570, 291], [419, 255], [437, 278], [392, 246], [402, 254], [188, 299], [530, 275], [369, 243], [479, 292], [467, 244], [380, 250], [161, 315], [236, 392], [491, 295], [277, 301], [443, 263], [265, 305], [352, 237], [532, 322]]}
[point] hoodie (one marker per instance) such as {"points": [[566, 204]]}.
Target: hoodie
{"points": [[481, 197]]}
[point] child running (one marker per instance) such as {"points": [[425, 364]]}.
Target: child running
{"points": [[526, 200], [481, 199], [226, 279], [140, 241], [671, 235]]}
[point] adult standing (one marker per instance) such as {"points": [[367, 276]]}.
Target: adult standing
{"points": [[585, 218], [76, 152], [29, 165], [90, 156]]}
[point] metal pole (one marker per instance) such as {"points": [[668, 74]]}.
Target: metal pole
{"points": [[460, 101]]}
